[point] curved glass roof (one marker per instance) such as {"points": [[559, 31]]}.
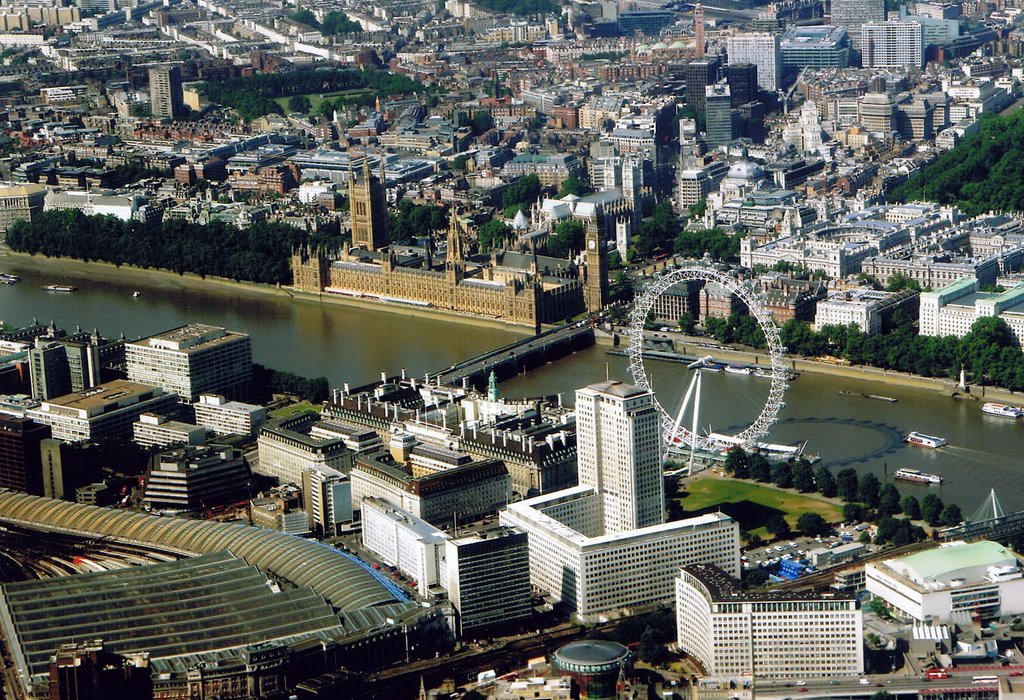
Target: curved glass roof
{"points": [[342, 582]]}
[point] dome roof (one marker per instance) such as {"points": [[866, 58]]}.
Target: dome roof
{"points": [[659, 46], [592, 652], [643, 48], [678, 44], [745, 170]]}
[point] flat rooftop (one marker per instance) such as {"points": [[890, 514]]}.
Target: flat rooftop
{"points": [[190, 338], [102, 395], [615, 388]]}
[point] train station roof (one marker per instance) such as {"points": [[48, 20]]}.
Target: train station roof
{"points": [[341, 581], [194, 606]]}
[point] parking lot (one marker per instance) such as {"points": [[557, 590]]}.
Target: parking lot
{"points": [[797, 549]]}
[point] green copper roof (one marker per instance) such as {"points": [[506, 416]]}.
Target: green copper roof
{"points": [[936, 563]]}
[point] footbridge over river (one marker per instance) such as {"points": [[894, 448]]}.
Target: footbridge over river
{"points": [[521, 356], [988, 523]]}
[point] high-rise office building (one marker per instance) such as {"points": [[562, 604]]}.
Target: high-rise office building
{"points": [[852, 14], [761, 49], [369, 208], [892, 44], [720, 116], [618, 441], [813, 47], [61, 365], [700, 74], [489, 579], [166, 97], [67, 466], [48, 369], [602, 546], [742, 81], [20, 458], [192, 360]]}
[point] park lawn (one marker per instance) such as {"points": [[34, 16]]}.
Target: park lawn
{"points": [[707, 493], [300, 407], [314, 100]]}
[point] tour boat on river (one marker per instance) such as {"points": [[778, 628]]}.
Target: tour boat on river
{"points": [[1001, 410], [917, 477], [916, 438]]}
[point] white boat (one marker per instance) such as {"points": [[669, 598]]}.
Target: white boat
{"points": [[916, 476], [916, 438], [8, 278], [734, 369], [136, 294], [1001, 410], [60, 288]]}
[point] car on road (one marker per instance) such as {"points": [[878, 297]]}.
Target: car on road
{"points": [[865, 681]]}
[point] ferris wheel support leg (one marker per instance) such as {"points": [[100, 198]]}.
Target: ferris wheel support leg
{"points": [[693, 431], [684, 405]]}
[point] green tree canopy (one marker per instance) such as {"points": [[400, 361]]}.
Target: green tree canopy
{"points": [[658, 231], [812, 524], [260, 253], [254, 95], [737, 463], [574, 185], [984, 172], [803, 476], [846, 484], [567, 239], [776, 525], [720, 245], [338, 23], [951, 515], [931, 509], [782, 475], [520, 194], [868, 489], [493, 234], [910, 505], [299, 103], [760, 468], [825, 481]]}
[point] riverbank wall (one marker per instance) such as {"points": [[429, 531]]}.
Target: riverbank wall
{"points": [[689, 346], [168, 279]]}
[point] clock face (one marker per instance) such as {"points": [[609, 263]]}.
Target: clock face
{"points": [[592, 244]]}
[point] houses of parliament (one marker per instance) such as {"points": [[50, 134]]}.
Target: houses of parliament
{"points": [[521, 288]]}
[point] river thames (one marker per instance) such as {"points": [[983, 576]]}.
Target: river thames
{"points": [[354, 345]]}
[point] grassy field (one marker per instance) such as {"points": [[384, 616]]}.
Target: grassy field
{"points": [[315, 98], [751, 504], [314, 101], [294, 408]]}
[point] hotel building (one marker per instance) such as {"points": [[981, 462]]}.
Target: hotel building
{"points": [[772, 634]]}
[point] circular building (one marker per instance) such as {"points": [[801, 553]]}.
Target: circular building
{"points": [[594, 666]]}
